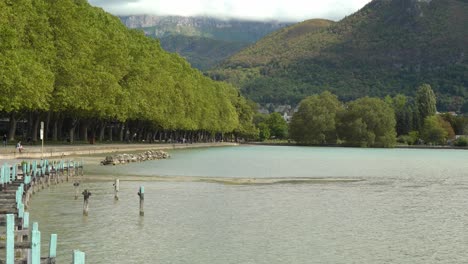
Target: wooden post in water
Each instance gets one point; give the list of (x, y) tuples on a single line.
[(10, 239), (141, 193), (86, 195), (78, 257), (77, 189), (53, 247), (116, 189), (35, 244)]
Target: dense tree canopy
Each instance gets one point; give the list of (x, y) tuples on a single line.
[(77, 66), (368, 122), (315, 120)]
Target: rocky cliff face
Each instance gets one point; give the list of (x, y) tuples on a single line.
[(227, 30)]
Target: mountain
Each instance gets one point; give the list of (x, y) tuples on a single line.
[(203, 41), (387, 47)]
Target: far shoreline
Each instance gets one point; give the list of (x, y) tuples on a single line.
[(344, 146)]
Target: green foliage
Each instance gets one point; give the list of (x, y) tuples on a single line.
[(425, 101), (368, 122), (433, 131), (78, 62), (264, 133), (277, 126), (461, 142), (386, 48), (315, 120)]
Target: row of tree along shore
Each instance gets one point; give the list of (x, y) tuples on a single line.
[(85, 75), (368, 122)]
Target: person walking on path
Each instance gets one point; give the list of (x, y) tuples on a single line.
[(19, 147), (4, 140)]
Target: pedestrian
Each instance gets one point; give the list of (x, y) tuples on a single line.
[(4, 140), (19, 147)]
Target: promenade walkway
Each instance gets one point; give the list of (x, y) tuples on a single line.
[(54, 151)]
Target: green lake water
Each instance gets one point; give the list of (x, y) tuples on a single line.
[(410, 207)]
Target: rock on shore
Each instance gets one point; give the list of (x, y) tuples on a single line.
[(127, 158)]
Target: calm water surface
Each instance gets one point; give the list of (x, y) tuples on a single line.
[(411, 207)]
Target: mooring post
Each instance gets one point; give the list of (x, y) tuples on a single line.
[(77, 189), (35, 244), (86, 195), (141, 193), (10, 239), (78, 257), (116, 189), (53, 246)]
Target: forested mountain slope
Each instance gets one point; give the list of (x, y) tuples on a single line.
[(203, 41), (387, 47)]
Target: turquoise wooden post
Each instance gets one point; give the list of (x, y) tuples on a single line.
[(10, 239), (24, 170), (35, 244), (2, 176), (7, 173), (14, 173), (21, 210), (53, 246), (78, 257), (26, 220)]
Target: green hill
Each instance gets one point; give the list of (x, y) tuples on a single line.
[(387, 47)]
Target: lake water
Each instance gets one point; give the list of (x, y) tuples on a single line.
[(410, 207)]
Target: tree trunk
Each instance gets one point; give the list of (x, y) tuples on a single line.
[(55, 131), (46, 126), (84, 130), (102, 131), (12, 132), (72, 130), (37, 119), (121, 136), (110, 132)]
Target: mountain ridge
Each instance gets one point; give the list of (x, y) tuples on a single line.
[(194, 37), (387, 47)]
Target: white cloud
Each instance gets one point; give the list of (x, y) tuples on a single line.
[(284, 10)]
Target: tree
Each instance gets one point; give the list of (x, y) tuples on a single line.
[(434, 131), (264, 133), (277, 125), (315, 120), (368, 122), (425, 101)]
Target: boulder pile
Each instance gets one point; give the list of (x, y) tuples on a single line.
[(127, 158)]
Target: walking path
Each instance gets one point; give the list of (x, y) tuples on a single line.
[(35, 152)]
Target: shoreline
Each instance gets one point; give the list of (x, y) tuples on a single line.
[(62, 151), (343, 146)]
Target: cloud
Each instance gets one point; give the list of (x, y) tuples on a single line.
[(283, 10)]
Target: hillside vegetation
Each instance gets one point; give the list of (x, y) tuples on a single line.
[(387, 47), (203, 41)]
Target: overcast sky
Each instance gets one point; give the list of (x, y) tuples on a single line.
[(283, 10)]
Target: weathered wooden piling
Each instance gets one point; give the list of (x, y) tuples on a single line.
[(76, 185), (116, 189), (86, 195), (53, 246), (18, 183), (141, 193), (78, 257), (35, 244)]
